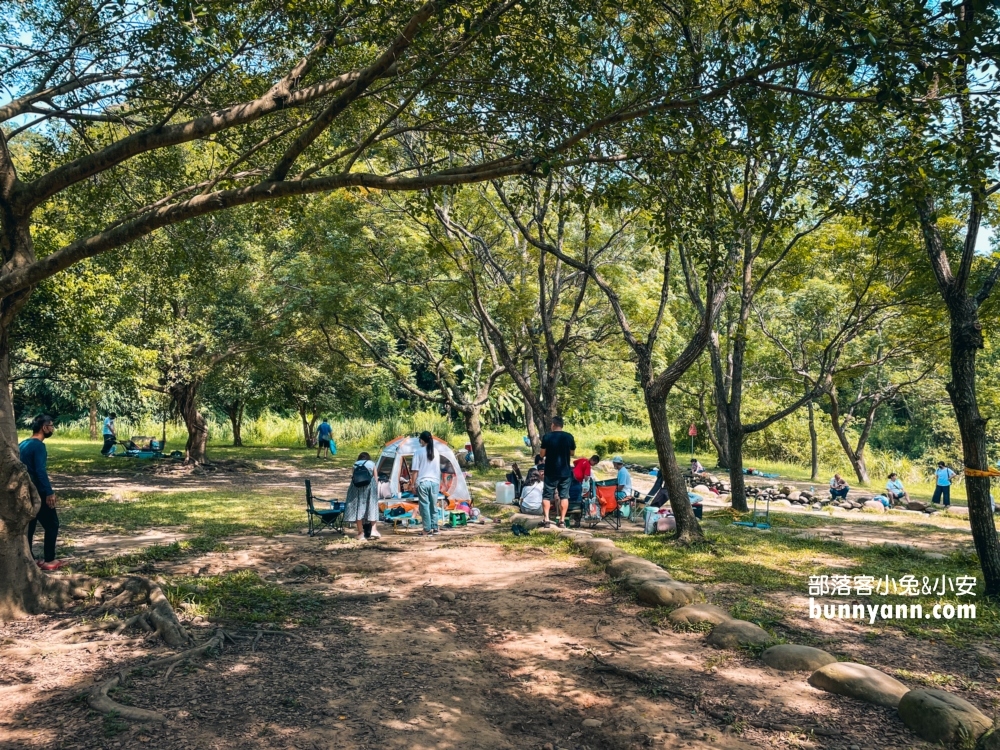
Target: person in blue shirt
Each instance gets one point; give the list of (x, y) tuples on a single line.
[(942, 489), (35, 458), (623, 484), (110, 433), (325, 440), (894, 490)]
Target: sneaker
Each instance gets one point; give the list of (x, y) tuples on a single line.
[(375, 534)]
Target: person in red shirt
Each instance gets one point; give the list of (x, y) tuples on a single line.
[(582, 471)]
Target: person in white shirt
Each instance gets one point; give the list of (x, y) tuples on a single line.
[(110, 434), (426, 467), (895, 491), (531, 494), (942, 489)]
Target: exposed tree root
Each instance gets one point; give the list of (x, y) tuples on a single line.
[(60, 648), (99, 700), (159, 616)]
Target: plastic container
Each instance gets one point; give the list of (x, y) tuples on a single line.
[(505, 493)]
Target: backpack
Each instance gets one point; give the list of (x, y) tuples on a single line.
[(362, 476)]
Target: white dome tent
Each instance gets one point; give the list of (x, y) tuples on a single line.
[(394, 463)]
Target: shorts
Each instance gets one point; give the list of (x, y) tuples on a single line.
[(324, 443), (562, 484)]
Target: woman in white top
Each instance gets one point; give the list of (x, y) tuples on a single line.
[(531, 494), (426, 466)]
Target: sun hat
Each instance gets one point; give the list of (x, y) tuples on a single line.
[(617, 460)]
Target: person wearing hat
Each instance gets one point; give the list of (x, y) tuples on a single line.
[(623, 484)]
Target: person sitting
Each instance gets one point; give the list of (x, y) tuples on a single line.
[(623, 483), (838, 487), (895, 492), (697, 469), (531, 494)]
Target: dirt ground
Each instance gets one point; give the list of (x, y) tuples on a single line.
[(460, 643)]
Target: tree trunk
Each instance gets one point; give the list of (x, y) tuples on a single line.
[(24, 589), (966, 339), (93, 411), (856, 457), (185, 396), (529, 421), (235, 412), (813, 444), (308, 427), (474, 428), (737, 482), (688, 529), (721, 438)]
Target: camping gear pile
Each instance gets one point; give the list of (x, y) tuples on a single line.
[(142, 446), (708, 483)]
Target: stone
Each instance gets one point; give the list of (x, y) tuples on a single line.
[(942, 717), (874, 505), (793, 496), (786, 489), (782, 503), (701, 489), (528, 522), (667, 593), (604, 555), (592, 723), (859, 681), (498, 463), (916, 505), (634, 580), (694, 614), (806, 495), (300, 569), (989, 741), (428, 604), (817, 506), (736, 633), (588, 546), (622, 566), (447, 596), (791, 658)]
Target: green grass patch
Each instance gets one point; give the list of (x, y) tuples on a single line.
[(138, 561), (210, 513), (770, 563), (244, 597)]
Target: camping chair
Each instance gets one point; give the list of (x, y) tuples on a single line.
[(515, 478), (332, 519), (612, 511)]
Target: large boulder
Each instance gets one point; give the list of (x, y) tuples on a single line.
[(941, 717), (736, 633), (667, 593), (859, 681), (794, 495), (701, 489), (498, 463), (589, 546), (791, 658), (622, 566), (633, 581), (786, 489), (916, 505), (694, 614), (874, 505), (604, 555)]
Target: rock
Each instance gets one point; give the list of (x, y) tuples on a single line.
[(447, 596), (528, 522), (300, 569), (736, 633), (874, 505), (791, 658), (793, 496), (786, 490), (806, 495), (589, 546), (941, 717), (989, 741), (667, 593), (428, 604), (604, 555), (782, 503), (693, 614), (817, 506), (701, 489), (498, 463), (916, 505), (634, 580), (592, 723), (622, 566), (859, 681)]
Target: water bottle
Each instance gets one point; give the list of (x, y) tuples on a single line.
[(812, 490)]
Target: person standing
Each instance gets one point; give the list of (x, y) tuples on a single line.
[(558, 448), (110, 433), (361, 504), (582, 476), (942, 489), (324, 435), (426, 467), (35, 458)]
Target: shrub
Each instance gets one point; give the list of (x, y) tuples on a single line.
[(601, 449), (617, 444)]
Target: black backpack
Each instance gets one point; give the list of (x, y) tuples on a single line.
[(362, 476)]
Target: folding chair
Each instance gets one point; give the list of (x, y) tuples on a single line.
[(332, 519)]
